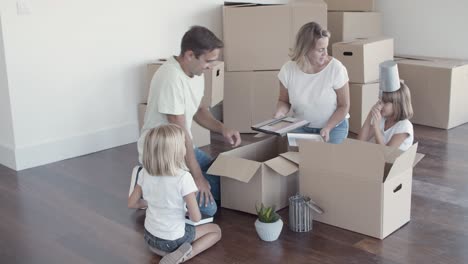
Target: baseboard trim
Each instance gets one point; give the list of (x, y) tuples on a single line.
[(71, 147), (7, 156)]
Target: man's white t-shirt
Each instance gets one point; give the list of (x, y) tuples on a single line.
[(313, 96), (165, 216), (171, 92), (403, 126)]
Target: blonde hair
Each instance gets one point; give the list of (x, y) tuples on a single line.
[(306, 39), (164, 150), (401, 101)]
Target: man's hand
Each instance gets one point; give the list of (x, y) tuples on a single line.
[(204, 189), (231, 136)]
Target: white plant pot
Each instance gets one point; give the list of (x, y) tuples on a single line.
[(269, 231)]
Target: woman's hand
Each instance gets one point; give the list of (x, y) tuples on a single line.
[(325, 133)]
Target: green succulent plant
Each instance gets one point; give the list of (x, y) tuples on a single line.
[(267, 214)]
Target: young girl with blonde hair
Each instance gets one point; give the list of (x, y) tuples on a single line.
[(168, 190)]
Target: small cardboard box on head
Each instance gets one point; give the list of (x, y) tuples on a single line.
[(361, 186)]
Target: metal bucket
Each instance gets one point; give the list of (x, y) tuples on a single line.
[(301, 215)]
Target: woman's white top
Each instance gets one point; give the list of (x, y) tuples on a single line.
[(312, 96)]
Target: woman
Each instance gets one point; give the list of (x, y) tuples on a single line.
[(315, 86)]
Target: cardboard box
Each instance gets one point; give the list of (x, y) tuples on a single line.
[(362, 57), (250, 98), (347, 26), (362, 99), (257, 173), (361, 186), (439, 88), (214, 83), (350, 5), (258, 37), (201, 136)]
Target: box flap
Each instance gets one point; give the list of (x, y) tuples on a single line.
[(282, 166), (404, 162), (233, 167), (291, 156), (342, 160), (418, 158)]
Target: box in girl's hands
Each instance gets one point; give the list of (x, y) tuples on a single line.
[(361, 186)]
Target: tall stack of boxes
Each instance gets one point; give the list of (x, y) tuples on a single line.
[(258, 39), (356, 40), (214, 93)]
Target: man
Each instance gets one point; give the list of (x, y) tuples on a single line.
[(175, 94)]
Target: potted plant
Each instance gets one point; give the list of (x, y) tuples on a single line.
[(268, 224)]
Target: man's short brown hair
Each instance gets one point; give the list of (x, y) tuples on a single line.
[(200, 40)]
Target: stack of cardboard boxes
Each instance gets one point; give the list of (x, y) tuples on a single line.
[(356, 41), (214, 93), (258, 39)]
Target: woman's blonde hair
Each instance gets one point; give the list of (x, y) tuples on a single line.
[(164, 150), (306, 39), (401, 101)]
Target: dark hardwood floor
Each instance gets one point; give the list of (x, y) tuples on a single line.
[(74, 211)]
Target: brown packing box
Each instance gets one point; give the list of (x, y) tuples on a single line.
[(361, 186), (350, 5), (258, 37), (257, 173), (250, 98), (214, 83), (362, 57), (201, 136), (347, 26), (439, 88), (362, 98)]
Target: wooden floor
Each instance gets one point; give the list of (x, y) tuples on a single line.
[(74, 211)]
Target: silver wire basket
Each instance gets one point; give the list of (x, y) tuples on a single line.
[(301, 213)]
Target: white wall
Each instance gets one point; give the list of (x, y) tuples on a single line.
[(427, 27), (7, 143), (75, 69)]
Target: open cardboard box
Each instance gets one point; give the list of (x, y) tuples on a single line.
[(257, 173), (361, 186)]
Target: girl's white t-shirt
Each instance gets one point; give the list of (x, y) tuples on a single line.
[(165, 216), (403, 126), (313, 96)]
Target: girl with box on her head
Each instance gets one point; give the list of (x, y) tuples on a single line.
[(388, 122), (168, 189), (315, 86)]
